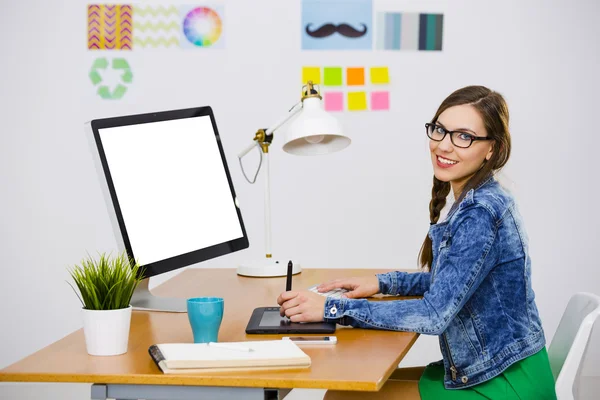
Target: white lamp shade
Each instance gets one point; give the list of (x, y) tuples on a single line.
[(314, 131)]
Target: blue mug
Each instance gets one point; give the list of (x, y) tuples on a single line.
[(205, 315)]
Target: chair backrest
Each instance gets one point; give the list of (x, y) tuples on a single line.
[(570, 341)]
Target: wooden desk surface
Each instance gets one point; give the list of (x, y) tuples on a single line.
[(362, 359)]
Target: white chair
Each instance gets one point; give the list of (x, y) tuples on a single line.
[(570, 342)]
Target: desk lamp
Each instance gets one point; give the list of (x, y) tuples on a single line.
[(313, 132)]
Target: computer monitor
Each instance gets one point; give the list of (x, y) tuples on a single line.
[(168, 192)]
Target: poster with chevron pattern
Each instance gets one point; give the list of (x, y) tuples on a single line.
[(141, 26), (109, 27), (156, 26)]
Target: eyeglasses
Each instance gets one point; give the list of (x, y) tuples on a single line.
[(458, 138)]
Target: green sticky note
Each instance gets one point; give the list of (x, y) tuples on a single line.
[(380, 75), (332, 76), (311, 74), (357, 101)]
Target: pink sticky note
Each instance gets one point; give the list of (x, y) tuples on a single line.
[(334, 101), (380, 100)]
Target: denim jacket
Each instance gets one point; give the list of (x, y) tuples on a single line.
[(477, 298)]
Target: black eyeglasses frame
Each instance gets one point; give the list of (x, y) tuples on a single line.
[(446, 131)]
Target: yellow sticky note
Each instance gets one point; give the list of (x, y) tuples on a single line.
[(311, 74), (357, 101), (380, 75)]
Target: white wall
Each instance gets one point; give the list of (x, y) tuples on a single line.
[(360, 208)]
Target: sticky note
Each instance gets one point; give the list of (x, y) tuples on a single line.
[(311, 74), (332, 76), (334, 101), (355, 76), (357, 101), (380, 101), (380, 75)]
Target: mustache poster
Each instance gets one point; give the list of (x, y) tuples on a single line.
[(337, 25)]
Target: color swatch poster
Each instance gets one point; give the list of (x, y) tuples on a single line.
[(409, 31), (337, 24), (131, 27), (353, 88)]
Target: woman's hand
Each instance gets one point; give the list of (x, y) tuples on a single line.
[(302, 306), (359, 287)]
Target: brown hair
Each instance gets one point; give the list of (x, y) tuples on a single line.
[(493, 110)]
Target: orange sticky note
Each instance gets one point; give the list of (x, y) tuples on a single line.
[(380, 75), (311, 74), (357, 101), (355, 76)]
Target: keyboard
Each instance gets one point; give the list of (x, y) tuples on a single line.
[(335, 293)]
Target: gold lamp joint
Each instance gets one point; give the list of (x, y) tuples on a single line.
[(309, 91), (261, 138)]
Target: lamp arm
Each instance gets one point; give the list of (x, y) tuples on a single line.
[(256, 141), (247, 149), (293, 111)]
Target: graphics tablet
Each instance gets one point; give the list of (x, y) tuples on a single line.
[(268, 320)]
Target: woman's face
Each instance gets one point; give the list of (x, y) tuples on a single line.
[(454, 164)]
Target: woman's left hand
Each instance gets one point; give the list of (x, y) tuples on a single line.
[(302, 306)]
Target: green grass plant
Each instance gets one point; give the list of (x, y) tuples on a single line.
[(106, 283)]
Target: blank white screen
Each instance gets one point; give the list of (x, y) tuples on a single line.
[(171, 186)]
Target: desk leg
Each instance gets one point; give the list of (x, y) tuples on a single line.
[(281, 393), (169, 392)]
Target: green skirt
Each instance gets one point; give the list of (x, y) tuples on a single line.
[(530, 378)]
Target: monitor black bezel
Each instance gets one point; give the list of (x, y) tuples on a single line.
[(182, 260)]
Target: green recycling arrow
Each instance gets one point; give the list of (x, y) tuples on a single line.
[(101, 63), (95, 77), (105, 93), (120, 63)]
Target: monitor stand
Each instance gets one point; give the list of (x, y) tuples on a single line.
[(144, 300)]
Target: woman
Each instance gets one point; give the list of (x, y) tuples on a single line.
[(476, 283)]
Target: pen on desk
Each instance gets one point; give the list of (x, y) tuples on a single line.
[(288, 283), (230, 346)]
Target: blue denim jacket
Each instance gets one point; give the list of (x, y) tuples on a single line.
[(477, 298)]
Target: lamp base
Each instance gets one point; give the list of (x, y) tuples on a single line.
[(268, 267)]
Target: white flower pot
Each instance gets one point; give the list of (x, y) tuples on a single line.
[(106, 331)]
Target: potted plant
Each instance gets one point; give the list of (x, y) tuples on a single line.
[(105, 289)]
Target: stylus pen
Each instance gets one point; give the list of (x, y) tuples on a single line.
[(288, 283)]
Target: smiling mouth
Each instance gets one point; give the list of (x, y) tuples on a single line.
[(446, 161)]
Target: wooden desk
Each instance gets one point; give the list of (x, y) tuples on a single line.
[(362, 360)]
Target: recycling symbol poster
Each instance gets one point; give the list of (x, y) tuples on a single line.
[(104, 89)]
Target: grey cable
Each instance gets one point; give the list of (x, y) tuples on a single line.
[(257, 170)]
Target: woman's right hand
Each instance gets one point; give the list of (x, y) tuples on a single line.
[(358, 287)]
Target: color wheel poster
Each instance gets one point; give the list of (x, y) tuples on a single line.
[(202, 26)]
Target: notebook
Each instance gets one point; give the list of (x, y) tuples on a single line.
[(186, 358)]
